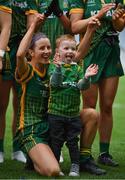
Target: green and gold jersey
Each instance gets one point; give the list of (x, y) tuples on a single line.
[(52, 27), (33, 94), (65, 98), (5, 6), (90, 8), (20, 9)]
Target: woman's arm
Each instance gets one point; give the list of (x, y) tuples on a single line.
[(86, 40), (5, 28), (79, 25), (65, 22), (24, 45)]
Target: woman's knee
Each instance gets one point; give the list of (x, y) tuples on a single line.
[(89, 115)]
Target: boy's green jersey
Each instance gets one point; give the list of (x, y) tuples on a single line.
[(65, 98), (52, 27)]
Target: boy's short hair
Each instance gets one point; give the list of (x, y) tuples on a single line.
[(63, 38)]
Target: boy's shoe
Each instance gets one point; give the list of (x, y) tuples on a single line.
[(106, 159), (74, 170), (91, 167), (61, 158), (19, 156), (1, 157)]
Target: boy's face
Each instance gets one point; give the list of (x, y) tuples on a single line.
[(67, 51)]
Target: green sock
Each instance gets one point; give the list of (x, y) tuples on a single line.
[(85, 153), (104, 147), (1, 145), (15, 145)]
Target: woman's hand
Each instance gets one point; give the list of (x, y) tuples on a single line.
[(38, 19), (93, 24), (118, 13), (105, 9)]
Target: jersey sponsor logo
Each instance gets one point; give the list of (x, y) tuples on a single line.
[(71, 84), (108, 14), (19, 4), (91, 2)]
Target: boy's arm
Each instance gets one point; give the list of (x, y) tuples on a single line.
[(84, 83), (56, 78)]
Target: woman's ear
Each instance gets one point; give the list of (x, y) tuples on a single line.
[(31, 52)]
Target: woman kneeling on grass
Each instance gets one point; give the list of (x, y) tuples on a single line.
[(33, 93)]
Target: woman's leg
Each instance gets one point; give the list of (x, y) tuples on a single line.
[(107, 90), (5, 87), (44, 160), (89, 118), (17, 153)]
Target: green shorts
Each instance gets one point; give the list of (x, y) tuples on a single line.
[(32, 135), (107, 57)]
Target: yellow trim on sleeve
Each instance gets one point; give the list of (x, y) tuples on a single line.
[(31, 12), (76, 11), (6, 9), (24, 78)]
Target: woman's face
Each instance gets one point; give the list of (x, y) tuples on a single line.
[(42, 50)]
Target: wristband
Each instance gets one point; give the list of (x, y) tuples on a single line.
[(2, 52)]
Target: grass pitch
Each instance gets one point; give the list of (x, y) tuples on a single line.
[(15, 170)]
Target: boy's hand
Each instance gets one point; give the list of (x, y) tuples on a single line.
[(57, 60), (91, 70)]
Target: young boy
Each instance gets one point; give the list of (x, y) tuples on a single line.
[(66, 83)]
